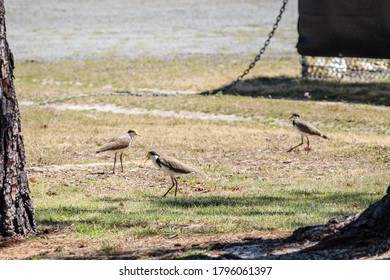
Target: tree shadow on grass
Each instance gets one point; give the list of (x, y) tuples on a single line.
[(375, 93), (246, 247), (297, 198), (249, 248)]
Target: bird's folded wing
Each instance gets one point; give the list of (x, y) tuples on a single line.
[(116, 143), (308, 128), (176, 165)]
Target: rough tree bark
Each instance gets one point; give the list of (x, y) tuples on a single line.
[(16, 207), (372, 226)]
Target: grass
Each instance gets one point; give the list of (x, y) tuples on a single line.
[(141, 213), (247, 182), (39, 80), (271, 78)]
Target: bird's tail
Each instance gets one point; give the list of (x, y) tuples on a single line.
[(324, 136)]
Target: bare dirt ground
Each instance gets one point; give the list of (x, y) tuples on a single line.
[(139, 111), (224, 246), (252, 245)]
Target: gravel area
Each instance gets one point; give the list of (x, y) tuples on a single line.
[(47, 30)]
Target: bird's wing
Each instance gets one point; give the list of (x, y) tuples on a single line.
[(176, 165), (307, 128), (116, 143)]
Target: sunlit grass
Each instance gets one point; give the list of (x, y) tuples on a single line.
[(45, 80)]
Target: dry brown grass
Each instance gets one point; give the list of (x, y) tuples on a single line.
[(41, 81)]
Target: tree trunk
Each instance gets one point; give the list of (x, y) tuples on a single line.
[(16, 207), (372, 226)]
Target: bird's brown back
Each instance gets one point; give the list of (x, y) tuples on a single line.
[(176, 166), (308, 128), (116, 143)]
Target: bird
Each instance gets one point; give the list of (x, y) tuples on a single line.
[(305, 129), (118, 144), (171, 166)]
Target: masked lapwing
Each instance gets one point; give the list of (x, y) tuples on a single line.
[(171, 166), (306, 130), (118, 144)]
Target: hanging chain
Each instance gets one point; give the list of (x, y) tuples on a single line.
[(261, 52)]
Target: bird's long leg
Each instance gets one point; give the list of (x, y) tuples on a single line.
[(113, 171), (176, 185), (173, 184), (308, 144), (296, 145), (121, 161)]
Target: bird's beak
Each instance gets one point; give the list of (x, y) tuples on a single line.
[(136, 133)]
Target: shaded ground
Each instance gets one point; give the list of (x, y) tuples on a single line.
[(252, 245), (200, 246), (375, 93)]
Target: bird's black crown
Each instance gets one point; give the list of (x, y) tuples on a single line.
[(153, 153)]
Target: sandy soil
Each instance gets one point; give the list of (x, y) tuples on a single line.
[(140, 111), (72, 29)]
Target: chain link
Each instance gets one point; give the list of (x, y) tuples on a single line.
[(261, 52)]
